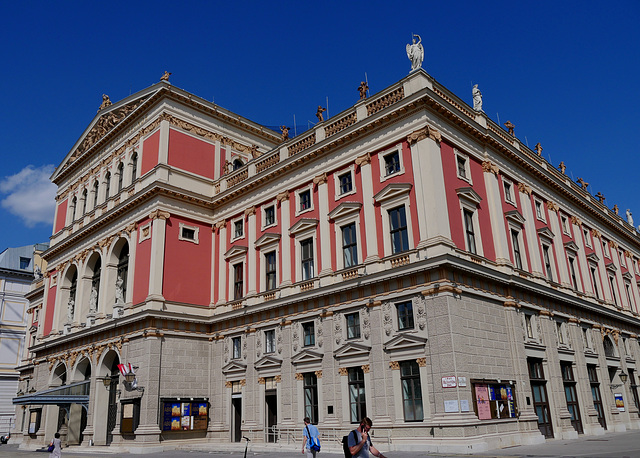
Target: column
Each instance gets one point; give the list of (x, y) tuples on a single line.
[(132, 230), (325, 242), (222, 263), (496, 214), (148, 431), (285, 223), (430, 194), (364, 162), (250, 215), (155, 298), (561, 258)]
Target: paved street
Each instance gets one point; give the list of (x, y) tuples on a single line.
[(614, 445)]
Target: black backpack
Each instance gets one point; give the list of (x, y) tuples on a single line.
[(345, 444)]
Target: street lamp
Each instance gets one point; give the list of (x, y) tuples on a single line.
[(623, 377)]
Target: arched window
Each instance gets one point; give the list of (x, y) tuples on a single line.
[(107, 180), (74, 204), (84, 201), (95, 287), (95, 193), (609, 349), (134, 167), (121, 281), (120, 176), (237, 163)]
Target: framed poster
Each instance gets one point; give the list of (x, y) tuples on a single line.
[(619, 402), (482, 399)]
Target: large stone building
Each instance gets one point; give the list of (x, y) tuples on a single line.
[(16, 276), (407, 259)]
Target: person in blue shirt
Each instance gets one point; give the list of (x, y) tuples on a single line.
[(360, 443), (308, 432)]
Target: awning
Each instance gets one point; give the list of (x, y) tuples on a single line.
[(65, 395)]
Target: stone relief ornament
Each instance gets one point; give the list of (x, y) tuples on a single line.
[(337, 319), (244, 348), (366, 322), (415, 52), (477, 98), (319, 332), (226, 349), (106, 102), (295, 336), (387, 321), (421, 311), (279, 340), (259, 344)]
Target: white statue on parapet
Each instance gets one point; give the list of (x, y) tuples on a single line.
[(629, 217), (415, 53), (477, 98)]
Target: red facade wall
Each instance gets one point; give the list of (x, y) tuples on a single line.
[(191, 154), (187, 265), (61, 216), (150, 153), (50, 306), (143, 262)]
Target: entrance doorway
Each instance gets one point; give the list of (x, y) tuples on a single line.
[(271, 407), (236, 418), (540, 399)]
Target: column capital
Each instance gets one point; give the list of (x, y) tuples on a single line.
[(421, 134), (364, 159), (490, 167), (320, 179), (250, 211), (283, 196), (525, 188), (159, 214)]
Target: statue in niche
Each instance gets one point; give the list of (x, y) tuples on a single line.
[(93, 300), (119, 291), (629, 217), (477, 98), (415, 53), (71, 305)]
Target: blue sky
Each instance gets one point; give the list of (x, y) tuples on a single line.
[(565, 73)]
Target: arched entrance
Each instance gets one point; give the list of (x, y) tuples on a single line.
[(106, 398)]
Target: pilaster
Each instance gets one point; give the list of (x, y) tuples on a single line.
[(371, 239), (158, 233), (285, 222), (325, 242)]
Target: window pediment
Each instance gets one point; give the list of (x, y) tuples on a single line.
[(628, 275), (611, 267), (307, 357), (469, 195), (344, 209), (545, 232), (234, 368), (405, 342), (304, 224), (593, 257), (391, 191), (235, 250), (515, 217), (267, 239), (352, 350), (571, 246), (267, 363)]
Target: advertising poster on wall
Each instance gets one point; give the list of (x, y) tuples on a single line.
[(185, 416), (482, 399), (619, 402)]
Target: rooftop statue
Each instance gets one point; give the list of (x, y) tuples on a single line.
[(106, 102), (363, 88), (510, 126), (629, 217), (477, 98), (319, 113), (415, 53), (165, 76), (285, 133), (562, 167), (538, 148)]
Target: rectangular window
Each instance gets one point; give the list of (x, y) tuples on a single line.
[(411, 391), (238, 284), (634, 387), (612, 283), (547, 261), (188, 233), (269, 215), (399, 231), (357, 398), (310, 388), (605, 248), (587, 238), (346, 184), (270, 341), (539, 213), (238, 229), (405, 315), (392, 163), (516, 248), (236, 347), (24, 262), (528, 325), (462, 167), (594, 279), (353, 325), (309, 334), (571, 396), (627, 288), (560, 333), (306, 250), (494, 400), (595, 393), (565, 224), (270, 270), (540, 399), (305, 200), (507, 191), (470, 233), (572, 272), (349, 245)]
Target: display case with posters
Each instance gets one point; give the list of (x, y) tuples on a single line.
[(493, 400), (184, 414)]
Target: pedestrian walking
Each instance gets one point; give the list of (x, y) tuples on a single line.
[(360, 442), (57, 447), (310, 436)]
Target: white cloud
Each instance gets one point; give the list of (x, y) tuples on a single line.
[(30, 195)]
